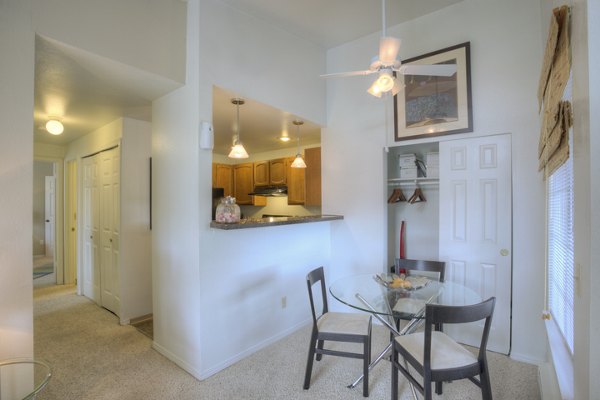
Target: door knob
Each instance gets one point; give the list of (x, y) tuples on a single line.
[(504, 252)]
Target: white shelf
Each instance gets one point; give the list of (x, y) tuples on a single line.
[(413, 181)]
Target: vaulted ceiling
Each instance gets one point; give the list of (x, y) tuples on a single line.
[(96, 91)]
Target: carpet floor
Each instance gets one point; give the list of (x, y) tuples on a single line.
[(93, 357)]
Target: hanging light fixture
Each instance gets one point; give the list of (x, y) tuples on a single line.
[(54, 126), (238, 150), (298, 161)]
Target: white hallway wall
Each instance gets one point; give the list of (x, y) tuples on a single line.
[(211, 286), (505, 57)]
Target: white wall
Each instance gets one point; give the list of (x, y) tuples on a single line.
[(136, 237), (195, 268), (148, 35), (16, 175), (505, 57)]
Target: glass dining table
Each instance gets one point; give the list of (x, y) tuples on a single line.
[(23, 379), (366, 292)]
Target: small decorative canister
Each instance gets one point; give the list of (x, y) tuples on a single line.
[(227, 211)]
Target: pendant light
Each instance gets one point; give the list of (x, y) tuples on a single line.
[(238, 150), (298, 161)]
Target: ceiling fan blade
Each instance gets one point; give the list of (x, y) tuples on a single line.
[(344, 74), (429, 70), (388, 49)]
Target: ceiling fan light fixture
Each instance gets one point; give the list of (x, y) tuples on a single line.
[(383, 84), (54, 126), (238, 150)]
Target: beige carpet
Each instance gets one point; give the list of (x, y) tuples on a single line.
[(93, 357)]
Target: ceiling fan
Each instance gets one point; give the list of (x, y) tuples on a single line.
[(387, 63)]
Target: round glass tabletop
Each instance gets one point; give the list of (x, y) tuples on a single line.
[(365, 292), (22, 379)]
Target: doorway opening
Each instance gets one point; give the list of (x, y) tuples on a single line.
[(44, 223)]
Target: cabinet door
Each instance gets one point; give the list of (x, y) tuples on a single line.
[(295, 183), (312, 158), (223, 174), (278, 171), (243, 182), (261, 173)]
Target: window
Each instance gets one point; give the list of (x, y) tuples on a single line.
[(560, 249)]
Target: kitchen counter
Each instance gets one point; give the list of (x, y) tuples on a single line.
[(274, 221)]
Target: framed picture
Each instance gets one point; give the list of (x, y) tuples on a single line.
[(435, 105)]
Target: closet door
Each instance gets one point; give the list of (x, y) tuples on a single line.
[(91, 236), (109, 229), (475, 227)]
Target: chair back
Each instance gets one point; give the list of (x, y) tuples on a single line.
[(438, 267), (436, 314), (316, 276)]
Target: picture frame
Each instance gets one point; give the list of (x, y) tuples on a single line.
[(435, 105)]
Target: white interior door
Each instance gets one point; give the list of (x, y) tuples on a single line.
[(49, 214), (91, 213), (71, 212), (110, 221), (475, 227)]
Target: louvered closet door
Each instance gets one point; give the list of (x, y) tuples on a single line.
[(475, 227)]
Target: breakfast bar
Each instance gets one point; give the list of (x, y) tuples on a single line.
[(273, 221)]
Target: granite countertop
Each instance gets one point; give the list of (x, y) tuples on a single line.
[(274, 221)]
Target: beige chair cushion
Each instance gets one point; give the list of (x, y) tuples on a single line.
[(349, 323), (445, 352)]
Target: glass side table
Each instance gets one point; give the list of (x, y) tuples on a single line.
[(22, 378)]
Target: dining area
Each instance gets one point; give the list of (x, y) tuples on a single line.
[(426, 317)]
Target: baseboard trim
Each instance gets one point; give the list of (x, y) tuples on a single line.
[(181, 363), (202, 375), (526, 359), (143, 318), (221, 366), (549, 389)]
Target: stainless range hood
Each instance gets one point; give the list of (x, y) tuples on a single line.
[(269, 191)]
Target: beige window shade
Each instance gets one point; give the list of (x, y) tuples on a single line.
[(556, 114)]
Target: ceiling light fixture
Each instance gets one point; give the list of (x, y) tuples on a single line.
[(385, 83), (284, 137), (298, 161), (54, 126), (238, 150)]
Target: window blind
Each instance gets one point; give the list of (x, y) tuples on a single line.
[(560, 249)]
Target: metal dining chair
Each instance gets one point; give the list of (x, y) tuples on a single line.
[(339, 327), (437, 357)]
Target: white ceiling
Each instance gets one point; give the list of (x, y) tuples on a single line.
[(330, 23), (87, 91)]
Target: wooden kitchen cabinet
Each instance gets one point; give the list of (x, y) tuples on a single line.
[(243, 182), (223, 178), (312, 158), (261, 173), (295, 183), (277, 171)]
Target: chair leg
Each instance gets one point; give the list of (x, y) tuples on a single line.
[(320, 347), (309, 362), (394, 374), (366, 362), (438, 387), (486, 387), (427, 393)]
